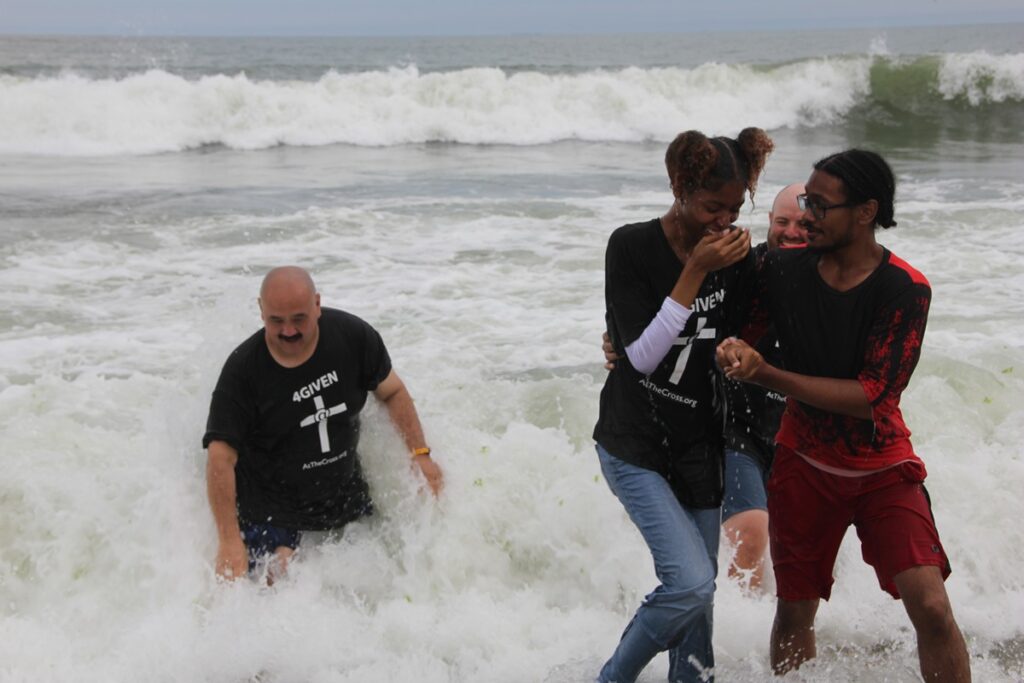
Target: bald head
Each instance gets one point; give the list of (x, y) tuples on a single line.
[(784, 228), (290, 308), (290, 278), (786, 198)]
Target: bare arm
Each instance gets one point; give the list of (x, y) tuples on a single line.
[(843, 396), (609, 351), (232, 558), (711, 253), (393, 394)]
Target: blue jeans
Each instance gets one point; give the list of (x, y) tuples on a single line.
[(677, 615)]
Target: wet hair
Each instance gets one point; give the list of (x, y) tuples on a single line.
[(697, 162), (865, 176)]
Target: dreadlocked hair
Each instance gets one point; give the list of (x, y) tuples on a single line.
[(865, 176), (696, 162)]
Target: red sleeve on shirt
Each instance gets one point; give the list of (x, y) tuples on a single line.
[(893, 348), (915, 275)]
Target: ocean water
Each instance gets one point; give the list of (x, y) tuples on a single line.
[(457, 193)]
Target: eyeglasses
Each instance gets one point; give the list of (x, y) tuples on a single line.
[(817, 208)]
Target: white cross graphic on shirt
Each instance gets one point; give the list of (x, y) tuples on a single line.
[(700, 333), (320, 418)]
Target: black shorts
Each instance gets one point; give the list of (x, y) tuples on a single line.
[(262, 539)]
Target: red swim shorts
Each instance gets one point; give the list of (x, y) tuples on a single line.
[(809, 511)]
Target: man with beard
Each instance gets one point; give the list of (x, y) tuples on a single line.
[(283, 427), (850, 317)]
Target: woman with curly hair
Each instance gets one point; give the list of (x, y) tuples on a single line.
[(672, 288)]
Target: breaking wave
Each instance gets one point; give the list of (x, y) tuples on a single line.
[(156, 111)]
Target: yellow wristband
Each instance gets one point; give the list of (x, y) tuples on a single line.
[(416, 452)]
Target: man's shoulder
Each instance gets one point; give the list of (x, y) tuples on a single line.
[(335, 320), (248, 349), (785, 261), (903, 272), (896, 284), (347, 332), (244, 366)]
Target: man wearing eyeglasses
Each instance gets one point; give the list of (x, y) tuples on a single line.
[(850, 317)]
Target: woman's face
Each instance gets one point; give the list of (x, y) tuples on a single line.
[(705, 212)]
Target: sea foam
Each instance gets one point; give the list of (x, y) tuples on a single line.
[(157, 111)]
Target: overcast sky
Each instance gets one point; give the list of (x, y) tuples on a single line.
[(480, 17)]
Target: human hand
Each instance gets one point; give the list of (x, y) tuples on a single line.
[(738, 360), (232, 559), (431, 472), (720, 249), (609, 351)]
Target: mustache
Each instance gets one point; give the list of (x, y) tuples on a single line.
[(295, 337)]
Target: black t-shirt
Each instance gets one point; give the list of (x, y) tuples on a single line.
[(670, 421), (296, 429), (753, 413), (871, 333)]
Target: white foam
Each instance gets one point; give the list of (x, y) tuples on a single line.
[(160, 112), (492, 308), (981, 77)]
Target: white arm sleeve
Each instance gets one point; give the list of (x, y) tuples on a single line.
[(651, 346)]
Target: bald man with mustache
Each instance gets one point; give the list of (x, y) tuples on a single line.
[(283, 429)]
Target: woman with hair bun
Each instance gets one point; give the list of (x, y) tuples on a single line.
[(671, 291)]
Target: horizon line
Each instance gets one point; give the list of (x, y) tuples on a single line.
[(515, 34)]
